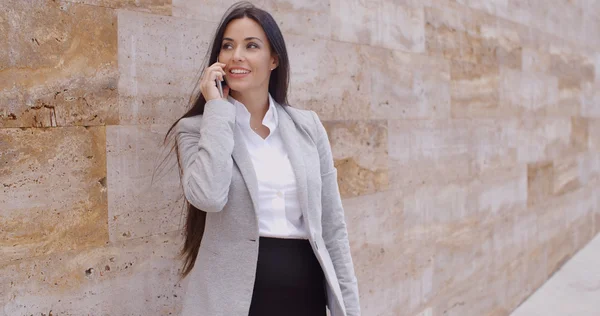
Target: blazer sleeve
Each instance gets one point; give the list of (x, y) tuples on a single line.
[(335, 233), (205, 146)]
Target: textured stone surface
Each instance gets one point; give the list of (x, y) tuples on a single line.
[(456, 32), (302, 17), (385, 23), (466, 134), (330, 78), (594, 135), (159, 64), (475, 90), (153, 6), (134, 277), (360, 156), (144, 192), (60, 68), (415, 87), (53, 195)]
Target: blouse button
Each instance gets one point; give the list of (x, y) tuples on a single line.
[(279, 194)]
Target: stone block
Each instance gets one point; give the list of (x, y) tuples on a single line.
[(160, 59), (544, 138), (144, 191), (331, 78), (133, 277), (474, 91), (416, 86), (387, 23), (308, 18), (529, 93), (457, 32), (463, 261), (53, 196), (376, 254), (151, 6), (60, 65), (360, 155), (591, 99), (492, 7)]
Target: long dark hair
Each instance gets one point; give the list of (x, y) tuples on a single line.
[(278, 88)]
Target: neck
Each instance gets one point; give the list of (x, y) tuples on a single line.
[(257, 102)]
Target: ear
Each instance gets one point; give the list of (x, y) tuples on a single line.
[(274, 62)]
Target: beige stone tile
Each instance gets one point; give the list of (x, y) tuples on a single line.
[(457, 32), (135, 277), (492, 7), (498, 191), (309, 18), (535, 60), (594, 135), (591, 99), (424, 152), (206, 10), (387, 23), (544, 138), (57, 72), (479, 296), (523, 276), (53, 195), (474, 91), (330, 78), (463, 260), (160, 59), (376, 253), (561, 18), (416, 86), (566, 175), (144, 192), (360, 153), (152, 6), (449, 151), (572, 72), (529, 93), (540, 182)]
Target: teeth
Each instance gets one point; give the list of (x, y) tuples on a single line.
[(238, 71)]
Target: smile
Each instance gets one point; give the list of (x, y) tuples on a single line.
[(239, 71)]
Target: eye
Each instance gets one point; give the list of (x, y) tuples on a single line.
[(252, 45), (227, 46)]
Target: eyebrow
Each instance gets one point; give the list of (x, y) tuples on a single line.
[(246, 39)]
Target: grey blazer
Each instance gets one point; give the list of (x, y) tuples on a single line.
[(218, 178)]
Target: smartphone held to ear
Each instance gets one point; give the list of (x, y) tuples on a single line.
[(220, 87)]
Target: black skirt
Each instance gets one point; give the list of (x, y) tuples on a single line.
[(289, 280)]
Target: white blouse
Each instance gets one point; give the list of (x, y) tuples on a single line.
[(279, 214)]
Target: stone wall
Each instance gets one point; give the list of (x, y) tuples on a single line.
[(466, 134)]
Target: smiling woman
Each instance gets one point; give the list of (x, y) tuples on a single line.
[(263, 235)]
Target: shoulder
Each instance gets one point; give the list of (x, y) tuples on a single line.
[(189, 124), (307, 119)]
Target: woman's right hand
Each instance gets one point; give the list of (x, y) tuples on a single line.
[(208, 85)]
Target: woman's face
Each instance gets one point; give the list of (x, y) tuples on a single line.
[(247, 53)]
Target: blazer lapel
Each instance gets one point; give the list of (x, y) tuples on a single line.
[(291, 141), (244, 162)]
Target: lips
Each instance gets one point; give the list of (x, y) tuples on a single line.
[(238, 73)]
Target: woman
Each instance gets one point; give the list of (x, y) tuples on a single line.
[(261, 186)]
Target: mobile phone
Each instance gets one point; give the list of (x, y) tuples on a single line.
[(220, 87), (219, 84)]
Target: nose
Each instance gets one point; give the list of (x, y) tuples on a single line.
[(238, 54)]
